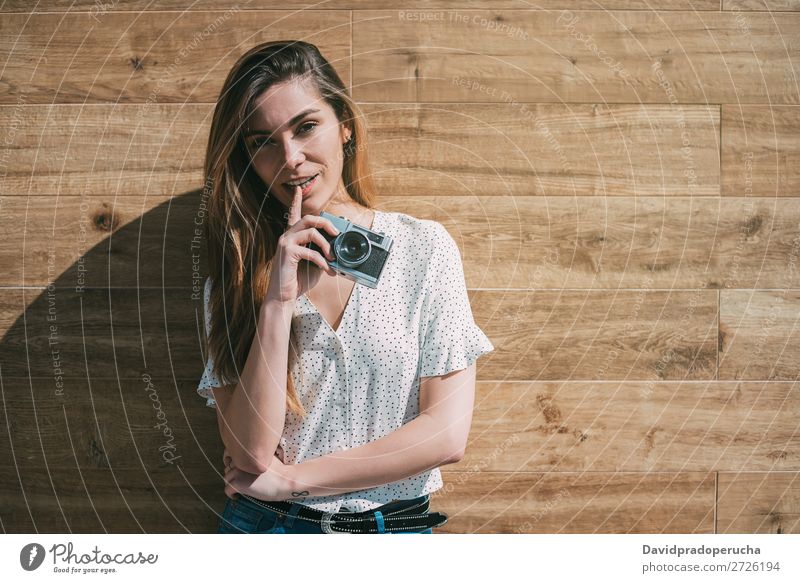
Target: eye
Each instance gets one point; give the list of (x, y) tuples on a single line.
[(306, 128), (310, 125)]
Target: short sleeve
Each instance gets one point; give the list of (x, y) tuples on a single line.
[(450, 338), (209, 379)]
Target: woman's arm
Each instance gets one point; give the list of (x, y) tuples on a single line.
[(251, 421), (436, 437)]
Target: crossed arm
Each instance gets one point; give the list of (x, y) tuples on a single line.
[(437, 436)]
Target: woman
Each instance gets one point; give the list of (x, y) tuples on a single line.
[(336, 402)]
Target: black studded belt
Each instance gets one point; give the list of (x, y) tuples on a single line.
[(397, 516)]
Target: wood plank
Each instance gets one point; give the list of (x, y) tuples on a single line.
[(585, 503), (71, 500), (149, 57), (104, 241), (552, 149), (587, 335), (759, 333), (141, 423), (760, 151), (506, 242), (566, 426), (101, 333), (424, 5), (122, 150), (759, 503), (617, 57), (486, 149), (163, 501), (538, 335), (154, 423), (612, 243), (771, 5)]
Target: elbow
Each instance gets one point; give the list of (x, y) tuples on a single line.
[(261, 462), (259, 459), (245, 458), (256, 460), (250, 464), (246, 450), (453, 451)]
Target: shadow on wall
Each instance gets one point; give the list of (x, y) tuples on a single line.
[(103, 430)]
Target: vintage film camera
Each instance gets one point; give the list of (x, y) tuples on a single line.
[(359, 254)]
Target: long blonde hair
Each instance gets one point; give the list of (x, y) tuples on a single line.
[(243, 222)]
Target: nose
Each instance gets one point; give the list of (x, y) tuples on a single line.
[(294, 154)]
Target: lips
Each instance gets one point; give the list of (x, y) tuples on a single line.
[(306, 179)]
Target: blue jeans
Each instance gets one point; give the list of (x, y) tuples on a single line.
[(243, 516)]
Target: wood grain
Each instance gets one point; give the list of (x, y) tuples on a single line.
[(653, 426), (118, 501), (505, 242), (104, 241), (146, 423), (149, 57), (538, 335), (760, 151), (151, 423), (580, 335), (71, 500), (553, 149), (622, 183), (577, 57), (759, 503), (99, 333), (620, 243), (770, 5), (111, 150), (759, 333), (425, 5), (486, 149), (574, 502)]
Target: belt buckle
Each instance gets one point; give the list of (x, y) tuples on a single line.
[(325, 523)]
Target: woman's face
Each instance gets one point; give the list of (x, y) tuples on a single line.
[(293, 134)]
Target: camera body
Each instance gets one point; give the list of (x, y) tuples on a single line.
[(359, 253)]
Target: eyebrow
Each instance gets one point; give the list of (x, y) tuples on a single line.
[(292, 121)]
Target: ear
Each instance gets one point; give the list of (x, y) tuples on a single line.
[(346, 132)]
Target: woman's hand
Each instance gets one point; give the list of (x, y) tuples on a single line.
[(291, 277), (274, 484)]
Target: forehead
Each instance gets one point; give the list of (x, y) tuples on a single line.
[(276, 106)]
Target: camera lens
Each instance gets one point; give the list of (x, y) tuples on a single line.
[(353, 248)]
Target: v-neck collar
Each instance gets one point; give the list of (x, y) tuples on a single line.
[(354, 293)]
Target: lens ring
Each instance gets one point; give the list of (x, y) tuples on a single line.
[(352, 248)]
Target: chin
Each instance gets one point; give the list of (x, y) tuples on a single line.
[(318, 200), (311, 205)]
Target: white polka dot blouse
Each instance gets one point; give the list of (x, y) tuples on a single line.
[(361, 381)]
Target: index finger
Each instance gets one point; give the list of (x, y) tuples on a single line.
[(294, 211)]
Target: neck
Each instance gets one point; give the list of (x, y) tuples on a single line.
[(342, 205)]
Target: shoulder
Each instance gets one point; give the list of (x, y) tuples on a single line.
[(425, 248), (428, 237)]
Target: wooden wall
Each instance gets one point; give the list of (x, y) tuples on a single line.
[(623, 185)]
